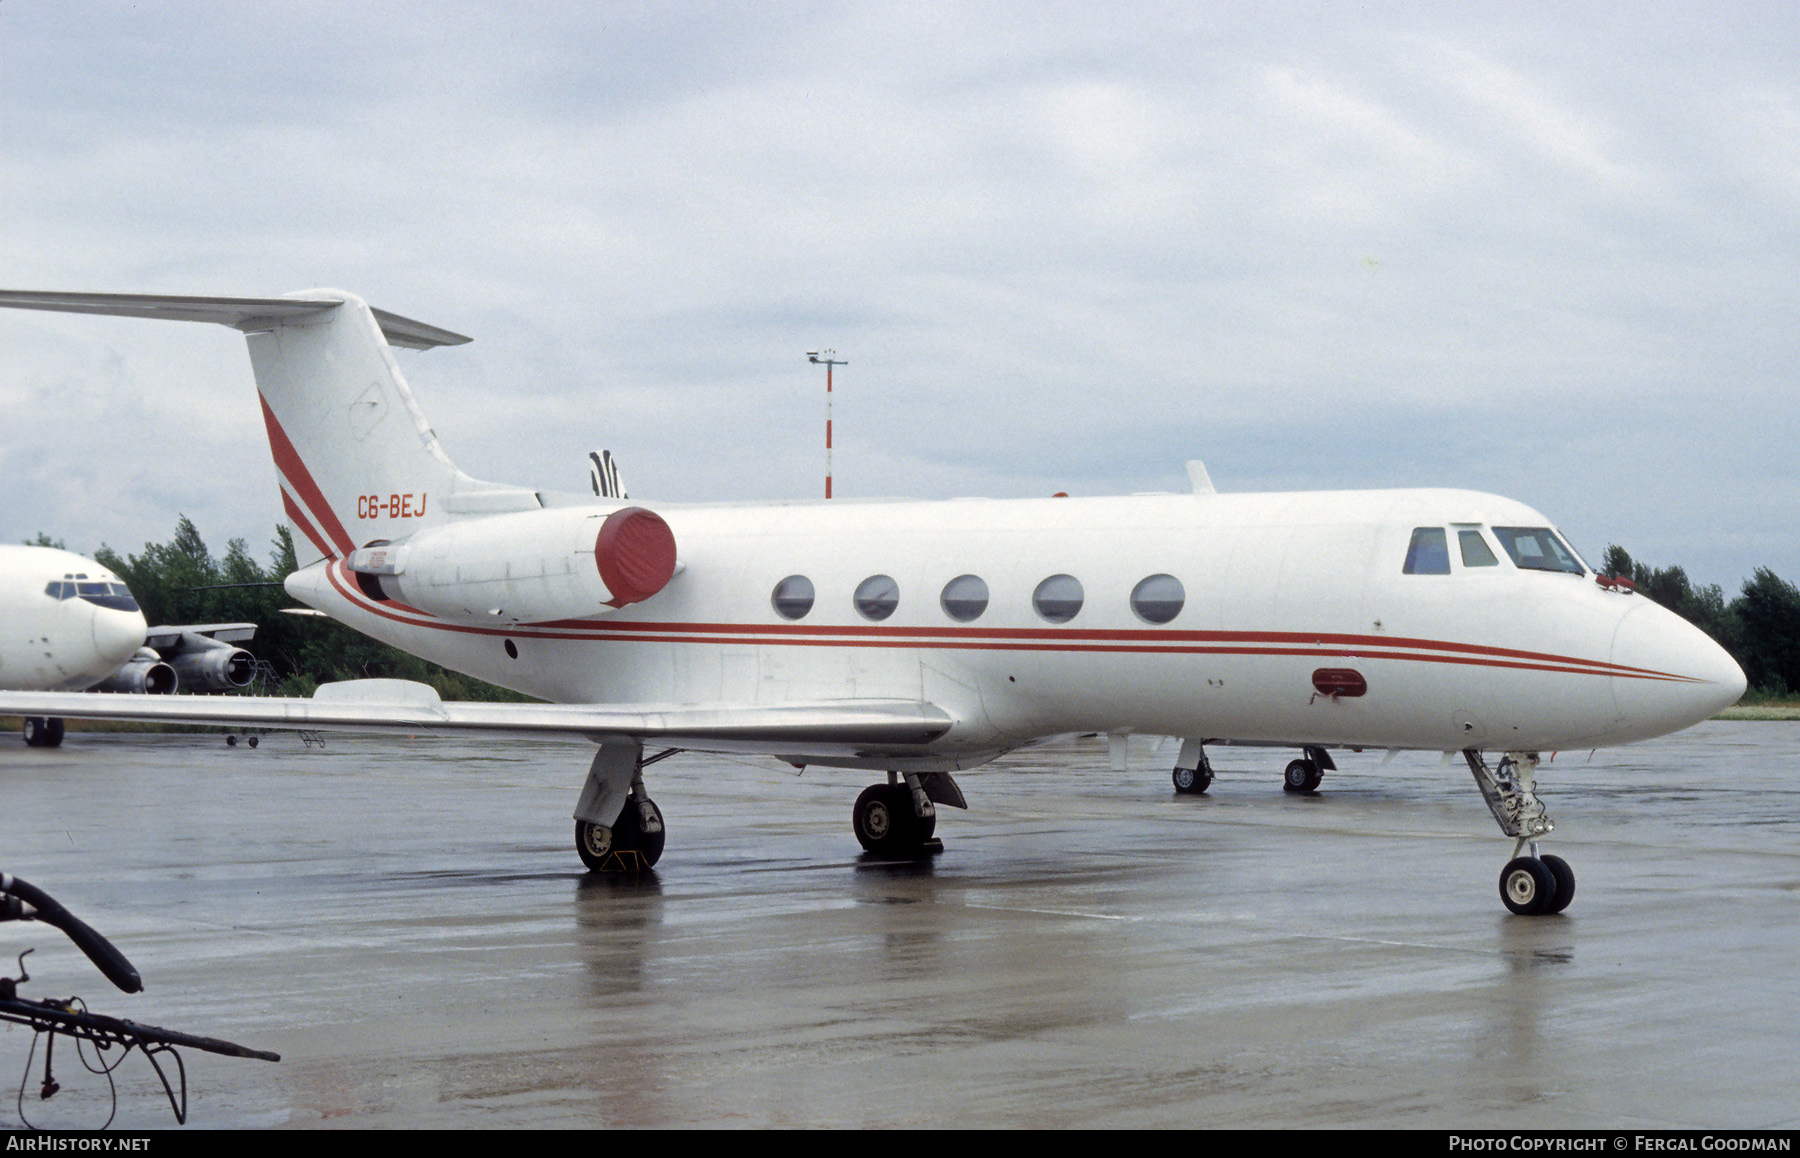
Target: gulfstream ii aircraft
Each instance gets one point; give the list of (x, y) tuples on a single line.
[(917, 639)]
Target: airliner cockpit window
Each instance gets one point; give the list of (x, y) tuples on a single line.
[(114, 595), (1429, 553), (1538, 549), (1475, 551)]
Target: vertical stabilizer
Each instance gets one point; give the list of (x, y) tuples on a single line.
[(357, 460)]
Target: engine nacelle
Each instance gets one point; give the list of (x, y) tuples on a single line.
[(143, 674), (529, 567), (207, 665)]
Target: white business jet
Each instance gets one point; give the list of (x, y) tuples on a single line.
[(918, 639)]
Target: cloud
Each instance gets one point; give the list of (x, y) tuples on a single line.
[(1317, 246)]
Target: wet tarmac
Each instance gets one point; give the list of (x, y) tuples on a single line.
[(407, 924)]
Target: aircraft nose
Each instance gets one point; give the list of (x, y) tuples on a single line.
[(1678, 675), (118, 635)]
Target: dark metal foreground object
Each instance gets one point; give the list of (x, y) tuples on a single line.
[(21, 900)]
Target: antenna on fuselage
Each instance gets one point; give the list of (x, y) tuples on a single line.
[(826, 359)]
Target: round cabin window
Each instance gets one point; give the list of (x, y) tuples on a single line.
[(1158, 599), (792, 597), (965, 598), (876, 597), (1058, 598)]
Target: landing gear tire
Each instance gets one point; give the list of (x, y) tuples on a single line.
[(634, 843), (1301, 776), (1192, 781), (647, 824), (43, 732), (1565, 883), (1528, 886), (885, 822)]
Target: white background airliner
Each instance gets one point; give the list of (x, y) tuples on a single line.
[(68, 623), (922, 638), (65, 622)]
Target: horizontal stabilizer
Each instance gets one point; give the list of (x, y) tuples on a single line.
[(239, 313), (405, 707)]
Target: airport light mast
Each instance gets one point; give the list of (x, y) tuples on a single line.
[(827, 359)]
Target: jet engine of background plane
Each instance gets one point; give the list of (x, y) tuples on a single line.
[(528, 567), (143, 674), (211, 665)]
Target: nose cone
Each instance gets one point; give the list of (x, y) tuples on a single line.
[(1677, 675), (117, 636)]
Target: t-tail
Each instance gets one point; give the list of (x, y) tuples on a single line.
[(358, 462)]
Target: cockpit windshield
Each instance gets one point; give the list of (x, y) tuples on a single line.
[(117, 596), (1538, 549)]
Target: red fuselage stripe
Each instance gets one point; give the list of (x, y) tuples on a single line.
[(1030, 640)]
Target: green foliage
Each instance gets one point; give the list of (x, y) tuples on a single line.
[(44, 540), (180, 582), (1768, 613)]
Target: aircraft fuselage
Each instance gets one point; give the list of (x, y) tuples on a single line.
[(1291, 620)]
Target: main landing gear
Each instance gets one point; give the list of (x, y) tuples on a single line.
[(1193, 773), (43, 732), (899, 817), (1530, 885), (618, 828), (1303, 775)]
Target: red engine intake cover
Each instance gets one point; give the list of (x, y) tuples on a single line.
[(635, 552)]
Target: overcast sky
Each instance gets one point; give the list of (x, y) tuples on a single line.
[(1550, 251)]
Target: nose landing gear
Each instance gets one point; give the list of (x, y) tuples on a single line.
[(1530, 885)]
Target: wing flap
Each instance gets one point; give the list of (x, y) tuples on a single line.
[(398, 706)]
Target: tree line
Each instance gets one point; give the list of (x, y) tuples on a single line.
[(181, 582)]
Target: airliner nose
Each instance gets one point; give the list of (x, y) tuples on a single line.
[(1676, 674), (118, 634)]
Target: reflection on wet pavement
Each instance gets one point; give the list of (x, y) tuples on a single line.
[(406, 922)]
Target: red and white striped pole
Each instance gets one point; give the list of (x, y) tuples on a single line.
[(824, 358)]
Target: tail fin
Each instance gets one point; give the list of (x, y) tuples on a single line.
[(603, 475), (357, 459)]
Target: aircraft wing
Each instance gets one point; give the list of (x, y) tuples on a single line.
[(399, 706), (162, 638)]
